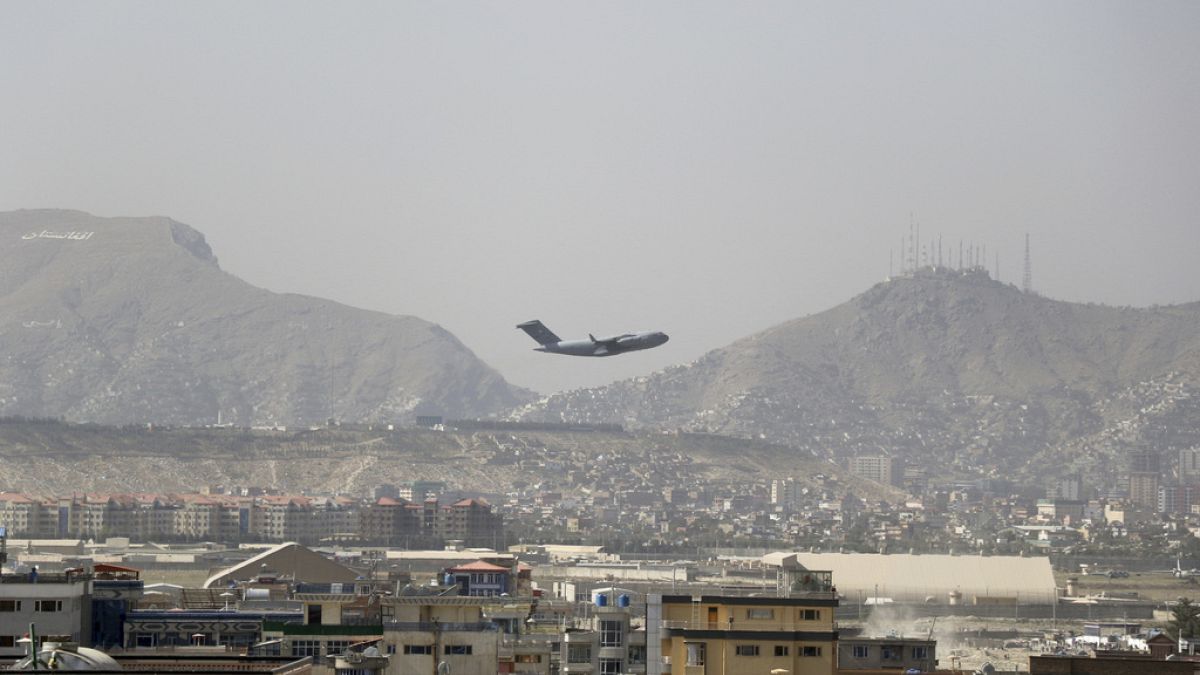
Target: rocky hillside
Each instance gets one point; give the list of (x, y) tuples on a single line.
[(945, 366), (120, 320), (52, 458)]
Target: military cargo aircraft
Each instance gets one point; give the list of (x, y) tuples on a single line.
[(609, 346)]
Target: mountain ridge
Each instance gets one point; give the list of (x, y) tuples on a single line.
[(901, 369), (120, 320)]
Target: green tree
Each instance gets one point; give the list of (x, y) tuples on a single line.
[(1185, 620)]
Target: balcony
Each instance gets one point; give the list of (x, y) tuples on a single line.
[(751, 626), (291, 629), (116, 583), (439, 626), (43, 578)]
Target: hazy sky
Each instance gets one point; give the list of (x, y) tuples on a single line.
[(707, 169)]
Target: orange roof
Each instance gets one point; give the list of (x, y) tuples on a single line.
[(479, 566)]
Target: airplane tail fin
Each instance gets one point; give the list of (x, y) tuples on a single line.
[(538, 331)]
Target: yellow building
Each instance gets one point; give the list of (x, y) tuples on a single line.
[(729, 635), (422, 631)]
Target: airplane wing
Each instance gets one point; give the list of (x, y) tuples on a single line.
[(609, 343)]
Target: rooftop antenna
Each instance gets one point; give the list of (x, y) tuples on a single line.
[(960, 244), (1027, 280)]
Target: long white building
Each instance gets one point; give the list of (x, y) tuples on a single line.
[(918, 578)]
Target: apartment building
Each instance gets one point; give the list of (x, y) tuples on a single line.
[(610, 646), (305, 519), (786, 492), (881, 469), (900, 654), (391, 522), (472, 522), (60, 605), (336, 616), (269, 518), (729, 635), (27, 516), (420, 490), (423, 627)]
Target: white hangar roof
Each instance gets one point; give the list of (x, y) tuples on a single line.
[(911, 577)]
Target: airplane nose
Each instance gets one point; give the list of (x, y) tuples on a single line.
[(664, 337)]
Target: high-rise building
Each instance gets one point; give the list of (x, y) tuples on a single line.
[(1144, 472), (1143, 489), (786, 492), (881, 469), (1066, 488), (1189, 465), (1145, 461)]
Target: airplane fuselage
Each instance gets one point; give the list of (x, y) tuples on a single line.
[(612, 346)]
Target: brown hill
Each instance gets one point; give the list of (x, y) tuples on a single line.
[(120, 320), (943, 365)]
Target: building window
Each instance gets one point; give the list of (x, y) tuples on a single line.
[(336, 647), (610, 633), (418, 649), (782, 650), (861, 651), (8, 641), (746, 650), (695, 653), (889, 652), (10, 605), (637, 654), (528, 658), (579, 653), (306, 647), (457, 650), (760, 614), (920, 653), (610, 666), (810, 614), (47, 606), (811, 651)]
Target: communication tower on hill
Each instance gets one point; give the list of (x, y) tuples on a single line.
[(1027, 280)]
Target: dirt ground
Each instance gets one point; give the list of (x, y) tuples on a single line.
[(961, 648), (1154, 586)]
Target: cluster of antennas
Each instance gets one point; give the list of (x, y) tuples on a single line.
[(917, 254)]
